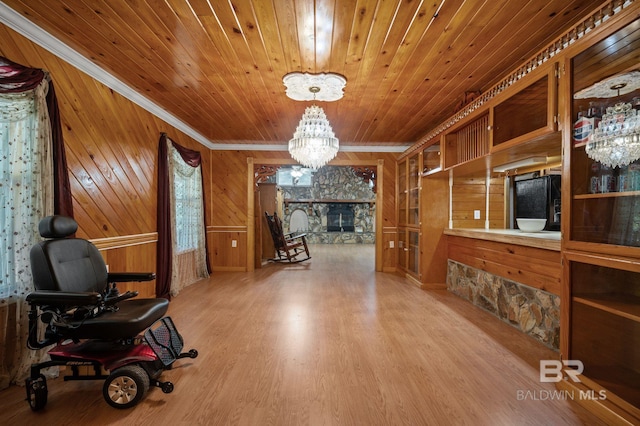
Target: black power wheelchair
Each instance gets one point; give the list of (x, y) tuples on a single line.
[(77, 307)]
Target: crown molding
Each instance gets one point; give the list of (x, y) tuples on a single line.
[(28, 29), (257, 146)]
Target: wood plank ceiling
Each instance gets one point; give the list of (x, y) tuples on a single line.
[(218, 65)]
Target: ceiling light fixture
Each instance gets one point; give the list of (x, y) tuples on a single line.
[(314, 144)]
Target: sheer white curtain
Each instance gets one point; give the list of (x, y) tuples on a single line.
[(26, 195), (187, 222)]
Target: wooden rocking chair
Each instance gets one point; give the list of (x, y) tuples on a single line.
[(288, 246)]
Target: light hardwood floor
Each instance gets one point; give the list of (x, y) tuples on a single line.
[(328, 341)]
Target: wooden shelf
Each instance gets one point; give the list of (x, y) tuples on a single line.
[(606, 195), (623, 305), (621, 381)]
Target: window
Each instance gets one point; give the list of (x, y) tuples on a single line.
[(188, 205), (25, 184), (294, 176)]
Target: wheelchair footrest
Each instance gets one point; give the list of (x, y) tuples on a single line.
[(165, 340)]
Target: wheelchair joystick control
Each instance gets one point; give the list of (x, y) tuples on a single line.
[(113, 292)]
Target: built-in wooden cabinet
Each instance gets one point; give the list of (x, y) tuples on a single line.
[(422, 216), (540, 117), (601, 256), (467, 142), (529, 113), (519, 123), (432, 158), (402, 193), (409, 172)]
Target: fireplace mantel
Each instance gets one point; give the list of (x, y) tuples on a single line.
[(288, 201)]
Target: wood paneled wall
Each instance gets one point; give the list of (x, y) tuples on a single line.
[(112, 148), (497, 212), (469, 194)]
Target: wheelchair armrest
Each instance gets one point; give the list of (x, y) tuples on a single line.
[(108, 301), (63, 298), (123, 277)]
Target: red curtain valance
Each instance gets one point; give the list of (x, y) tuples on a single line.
[(16, 78)]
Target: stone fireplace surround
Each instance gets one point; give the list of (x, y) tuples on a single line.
[(333, 183)]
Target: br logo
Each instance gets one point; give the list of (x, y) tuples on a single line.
[(552, 370)]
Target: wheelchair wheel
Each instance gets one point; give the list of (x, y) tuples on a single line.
[(126, 386), (37, 392)]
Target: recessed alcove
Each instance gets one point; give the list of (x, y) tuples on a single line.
[(336, 188)]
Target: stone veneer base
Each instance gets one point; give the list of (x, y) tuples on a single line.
[(532, 311)]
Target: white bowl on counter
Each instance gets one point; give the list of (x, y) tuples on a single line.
[(531, 225)]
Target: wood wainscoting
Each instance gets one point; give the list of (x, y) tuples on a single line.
[(131, 253), (227, 248)]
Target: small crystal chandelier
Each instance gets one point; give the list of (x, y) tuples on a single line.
[(314, 144), (616, 140)]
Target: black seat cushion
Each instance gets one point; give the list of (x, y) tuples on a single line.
[(132, 317), (74, 265)]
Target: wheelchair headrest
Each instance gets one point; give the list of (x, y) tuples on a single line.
[(57, 227)]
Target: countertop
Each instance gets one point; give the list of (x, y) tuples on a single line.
[(549, 240)]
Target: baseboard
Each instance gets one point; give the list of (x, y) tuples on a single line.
[(228, 269), (433, 286), (612, 410)]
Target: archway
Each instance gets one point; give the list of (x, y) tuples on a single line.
[(256, 165)]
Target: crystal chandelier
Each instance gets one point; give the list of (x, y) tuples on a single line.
[(313, 144), (616, 140)]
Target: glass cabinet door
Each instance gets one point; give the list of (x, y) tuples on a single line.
[(601, 303), (605, 185), (414, 252), (402, 193), (413, 194), (403, 248), (431, 159)]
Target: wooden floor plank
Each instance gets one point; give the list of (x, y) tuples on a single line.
[(327, 342)]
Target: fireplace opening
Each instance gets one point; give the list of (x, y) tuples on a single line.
[(340, 218)]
